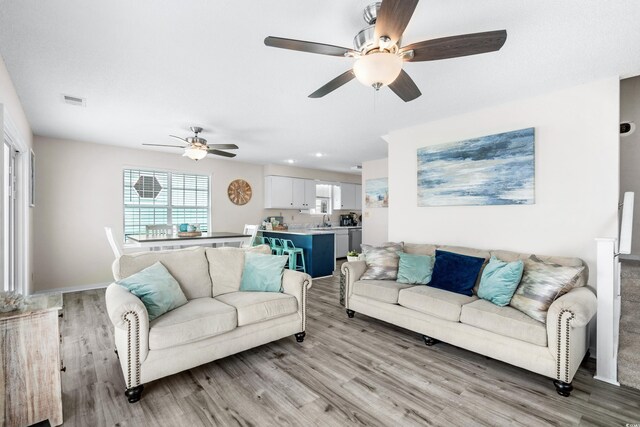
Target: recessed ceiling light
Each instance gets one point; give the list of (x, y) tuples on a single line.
[(319, 155), (290, 161)]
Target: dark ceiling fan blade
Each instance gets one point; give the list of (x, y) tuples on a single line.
[(393, 17), (334, 84), (304, 46), (220, 153), (456, 46), (404, 87), (224, 146), (181, 139), (165, 145)]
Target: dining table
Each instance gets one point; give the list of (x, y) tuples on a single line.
[(160, 241)]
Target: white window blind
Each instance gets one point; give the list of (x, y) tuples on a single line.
[(158, 197)]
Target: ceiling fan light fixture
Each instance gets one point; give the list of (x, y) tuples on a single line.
[(195, 153), (377, 69)]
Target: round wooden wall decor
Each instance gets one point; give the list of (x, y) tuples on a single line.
[(239, 192)]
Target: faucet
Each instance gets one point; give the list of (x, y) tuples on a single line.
[(325, 223)]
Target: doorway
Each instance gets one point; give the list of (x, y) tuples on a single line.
[(9, 217)]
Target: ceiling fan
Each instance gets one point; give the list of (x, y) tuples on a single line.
[(197, 147), (378, 54)]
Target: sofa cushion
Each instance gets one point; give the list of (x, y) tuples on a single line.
[(262, 273), (379, 290), (156, 288), (500, 280), (506, 321), (456, 272), (420, 249), (542, 283), (188, 266), (198, 319), (382, 261), (565, 261), (435, 302), (415, 269), (226, 265), (254, 307)]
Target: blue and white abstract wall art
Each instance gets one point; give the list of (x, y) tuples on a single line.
[(377, 193), (490, 170)]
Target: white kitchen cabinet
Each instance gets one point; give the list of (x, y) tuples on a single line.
[(298, 193), (309, 194), (278, 192), (358, 197), (304, 193), (283, 192), (347, 196)]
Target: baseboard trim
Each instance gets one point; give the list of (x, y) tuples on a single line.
[(75, 288), (606, 380)]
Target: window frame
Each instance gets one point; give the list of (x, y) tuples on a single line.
[(169, 206)]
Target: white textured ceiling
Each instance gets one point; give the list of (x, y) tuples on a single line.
[(150, 68)]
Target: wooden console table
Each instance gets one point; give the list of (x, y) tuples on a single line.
[(30, 366)]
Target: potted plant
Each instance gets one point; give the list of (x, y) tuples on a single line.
[(353, 256)]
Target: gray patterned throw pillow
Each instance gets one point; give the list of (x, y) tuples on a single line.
[(542, 283), (382, 261)]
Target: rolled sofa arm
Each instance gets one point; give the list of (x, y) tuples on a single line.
[(567, 330), (131, 321), (296, 283), (352, 272)]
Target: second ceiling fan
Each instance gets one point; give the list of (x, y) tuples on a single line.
[(197, 147), (379, 55)]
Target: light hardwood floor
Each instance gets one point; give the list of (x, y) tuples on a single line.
[(347, 372)]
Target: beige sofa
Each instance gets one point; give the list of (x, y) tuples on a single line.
[(218, 320), (554, 350)]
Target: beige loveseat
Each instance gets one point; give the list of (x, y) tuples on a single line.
[(218, 320), (554, 349)]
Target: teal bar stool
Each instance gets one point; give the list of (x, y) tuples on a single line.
[(260, 240), (290, 249), (276, 246)]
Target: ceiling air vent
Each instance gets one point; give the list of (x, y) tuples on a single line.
[(356, 167), (74, 100)]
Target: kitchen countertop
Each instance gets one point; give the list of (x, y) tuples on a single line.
[(301, 232), (310, 231)]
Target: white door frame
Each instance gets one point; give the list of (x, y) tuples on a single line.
[(22, 220)]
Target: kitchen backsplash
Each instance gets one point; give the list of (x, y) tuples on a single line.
[(296, 219)]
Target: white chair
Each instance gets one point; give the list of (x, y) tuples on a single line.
[(159, 229), (253, 231), (115, 247)]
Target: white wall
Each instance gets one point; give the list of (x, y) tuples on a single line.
[(576, 167), (80, 192), (375, 221), (11, 110), (630, 152)]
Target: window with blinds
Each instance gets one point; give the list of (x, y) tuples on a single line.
[(158, 197)]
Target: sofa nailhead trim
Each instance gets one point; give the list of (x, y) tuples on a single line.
[(136, 343), (567, 330), (304, 304), (347, 286)]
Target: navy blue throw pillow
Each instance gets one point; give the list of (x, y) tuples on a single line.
[(455, 272)]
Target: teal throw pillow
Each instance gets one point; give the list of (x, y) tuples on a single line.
[(414, 269), (262, 273), (156, 288), (500, 280)]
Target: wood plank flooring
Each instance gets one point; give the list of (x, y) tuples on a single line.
[(357, 371)]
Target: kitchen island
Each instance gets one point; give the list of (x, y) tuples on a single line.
[(319, 249)]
